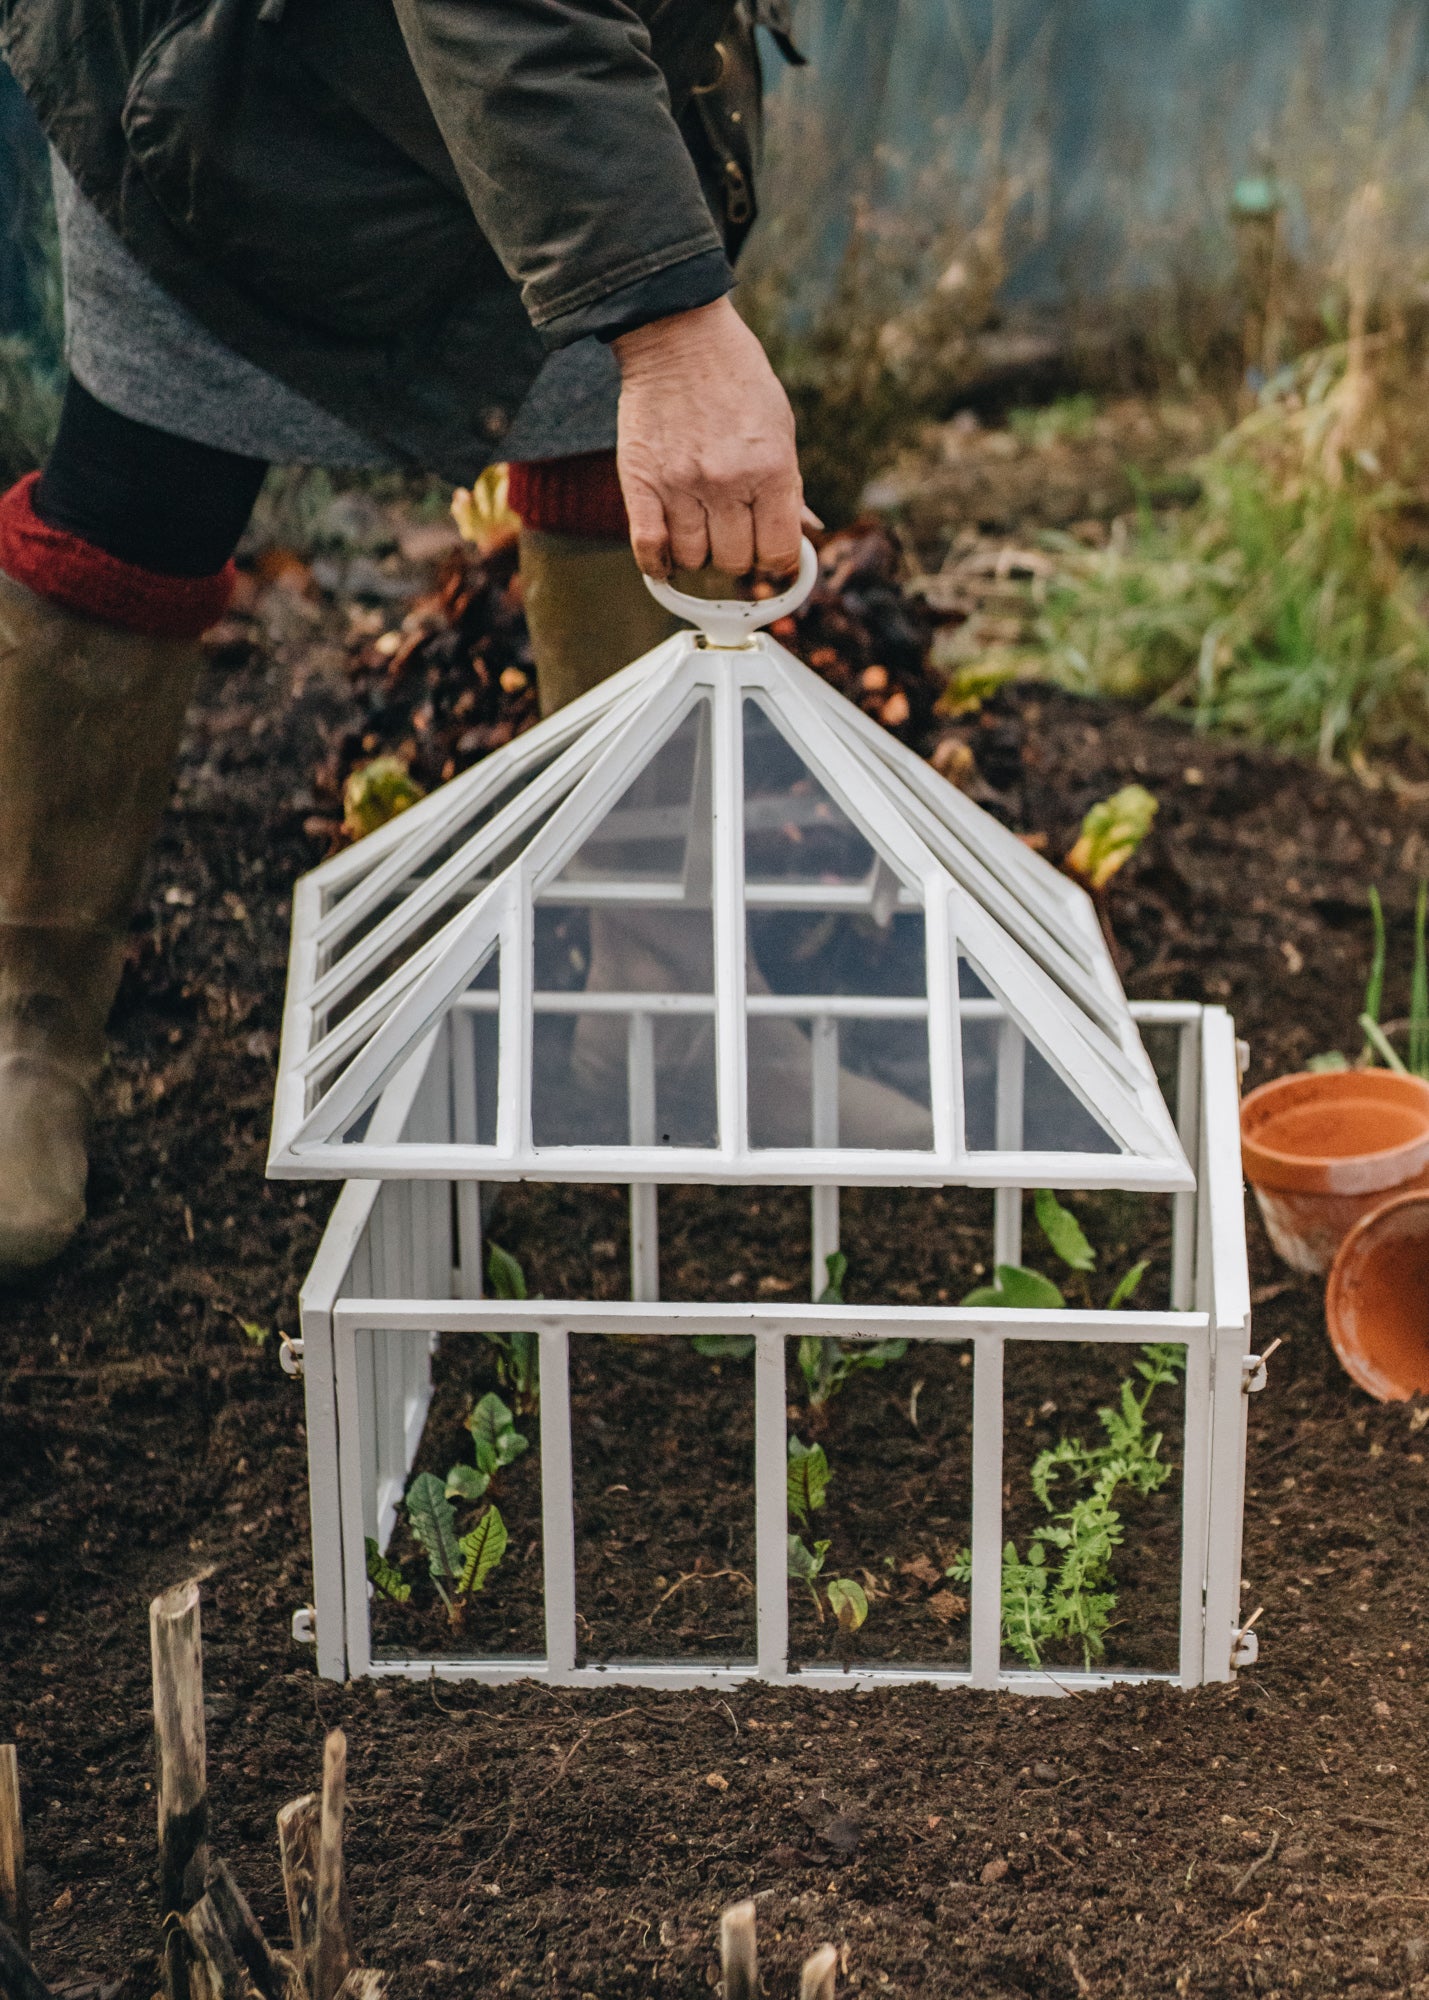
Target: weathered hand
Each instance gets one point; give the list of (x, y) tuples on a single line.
[(706, 448)]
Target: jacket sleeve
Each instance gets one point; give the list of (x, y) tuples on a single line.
[(559, 122)]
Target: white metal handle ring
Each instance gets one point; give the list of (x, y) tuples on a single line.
[(728, 621)]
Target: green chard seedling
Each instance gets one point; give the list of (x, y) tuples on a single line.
[(459, 1565), (807, 1486), (496, 1442), (385, 1577), (1017, 1286), (518, 1364)]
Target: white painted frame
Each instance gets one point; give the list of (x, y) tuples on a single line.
[(381, 1292), (1031, 932)]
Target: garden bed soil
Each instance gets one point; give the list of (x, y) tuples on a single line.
[(1264, 1837)]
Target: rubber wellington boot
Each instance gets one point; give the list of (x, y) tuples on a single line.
[(90, 718)]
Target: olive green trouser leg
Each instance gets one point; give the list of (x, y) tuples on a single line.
[(587, 610)]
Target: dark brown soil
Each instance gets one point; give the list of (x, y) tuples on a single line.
[(539, 1843)]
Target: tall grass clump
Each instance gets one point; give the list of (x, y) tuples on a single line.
[(1277, 606)]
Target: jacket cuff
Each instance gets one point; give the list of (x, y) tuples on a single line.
[(676, 288)]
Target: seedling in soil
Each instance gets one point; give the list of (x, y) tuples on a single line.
[(1017, 1286), (459, 1564), (808, 1487), (826, 1364), (1111, 833), (518, 1365), (384, 1576), (497, 1444), (1378, 1048), (1064, 1588)]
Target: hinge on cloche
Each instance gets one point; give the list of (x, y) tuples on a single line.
[(1245, 1644), (1253, 1369), (305, 1626), (290, 1356)]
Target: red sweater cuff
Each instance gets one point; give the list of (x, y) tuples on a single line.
[(72, 572), (570, 496)]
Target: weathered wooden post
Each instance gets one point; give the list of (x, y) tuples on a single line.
[(181, 1768), (739, 1952), (14, 1904)]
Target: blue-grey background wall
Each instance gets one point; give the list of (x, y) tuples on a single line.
[(1116, 127)]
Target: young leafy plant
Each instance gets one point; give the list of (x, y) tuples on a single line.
[(496, 1442), (807, 1485), (825, 1363), (458, 1564), (385, 1577), (518, 1365), (1111, 833), (1377, 1045), (807, 1480), (1063, 1589), (1017, 1286)]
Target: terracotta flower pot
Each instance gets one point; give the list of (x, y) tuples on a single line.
[(1377, 1302), (1322, 1149)]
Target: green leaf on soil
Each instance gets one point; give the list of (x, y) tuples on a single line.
[(808, 1479), (724, 1346), (430, 1516), (1063, 1231), (508, 1280), (836, 1270), (805, 1563), (385, 1576), (465, 1482), (482, 1550), (1128, 1284), (1019, 1287), (493, 1431), (848, 1603)]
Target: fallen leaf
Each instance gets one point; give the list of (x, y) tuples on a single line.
[(923, 1570), (946, 1606), (716, 1783)]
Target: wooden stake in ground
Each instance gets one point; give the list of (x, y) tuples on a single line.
[(176, 1649), (14, 1905), (332, 1952), (739, 1953), (819, 1974), (298, 1853)]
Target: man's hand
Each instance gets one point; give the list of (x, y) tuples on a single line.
[(706, 451)]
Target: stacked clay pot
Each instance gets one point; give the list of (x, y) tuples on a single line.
[(1337, 1160)]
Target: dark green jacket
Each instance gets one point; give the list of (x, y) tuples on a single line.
[(399, 206)]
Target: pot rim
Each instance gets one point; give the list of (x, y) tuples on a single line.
[(1335, 1173)]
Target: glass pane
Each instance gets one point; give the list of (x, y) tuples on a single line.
[(890, 1507), (793, 830), (663, 1446), (646, 836), (1096, 1605), (475, 1031), (623, 1035), (1013, 1099), (836, 1077), (414, 1614)]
